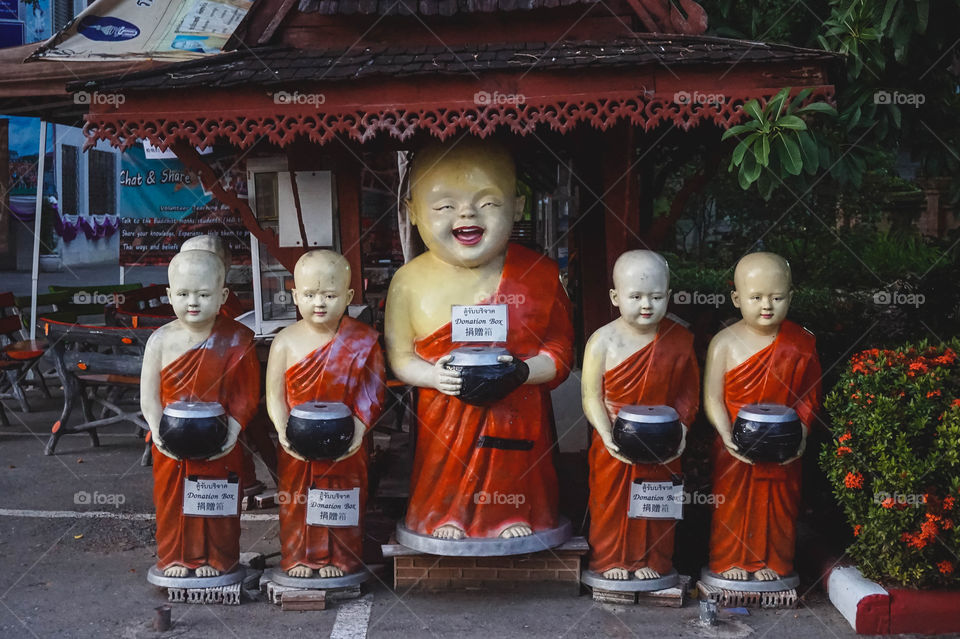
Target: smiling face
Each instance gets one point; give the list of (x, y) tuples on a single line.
[(196, 286), (641, 291), (763, 290), (463, 201), (322, 293)]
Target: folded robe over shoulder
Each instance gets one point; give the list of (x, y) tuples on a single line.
[(223, 369), (665, 373), (484, 490), (348, 369), (754, 524)]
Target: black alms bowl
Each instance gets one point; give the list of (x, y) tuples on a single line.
[(647, 434), (483, 379), (320, 430), (193, 430), (767, 432)]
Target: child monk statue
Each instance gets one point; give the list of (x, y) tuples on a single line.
[(326, 356), (199, 357), (762, 358), (479, 471), (638, 359)]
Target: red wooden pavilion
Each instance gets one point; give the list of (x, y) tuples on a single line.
[(594, 85)]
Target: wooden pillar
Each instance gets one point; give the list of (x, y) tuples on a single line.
[(348, 204), (621, 207), (588, 239)]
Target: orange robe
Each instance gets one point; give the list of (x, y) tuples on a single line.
[(664, 372), (224, 369), (348, 369), (755, 525), (512, 479)]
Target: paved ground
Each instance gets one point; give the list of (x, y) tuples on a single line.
[(68, 572)]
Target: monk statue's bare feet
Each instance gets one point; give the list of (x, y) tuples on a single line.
[(765, 574), (301, 572), (616, 573), (735, 573), (449, 531), (207, 571), (176, 570), (516, 530), (329, 571), (646, 573)]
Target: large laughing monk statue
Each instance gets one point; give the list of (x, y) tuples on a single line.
[(761, 359), (479, 471)]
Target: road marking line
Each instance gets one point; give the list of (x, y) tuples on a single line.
[(103, 514), (353, 617)]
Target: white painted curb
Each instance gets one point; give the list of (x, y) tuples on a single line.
[(847, 588)]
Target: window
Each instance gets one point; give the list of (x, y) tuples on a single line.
[(102, 183), (69, 180)]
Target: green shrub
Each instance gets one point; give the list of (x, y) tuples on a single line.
[(894, 464)]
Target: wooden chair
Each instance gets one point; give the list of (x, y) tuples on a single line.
[(97, 365)]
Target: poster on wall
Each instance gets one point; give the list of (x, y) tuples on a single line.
[(36, 15), (155, 29), (162, 204)]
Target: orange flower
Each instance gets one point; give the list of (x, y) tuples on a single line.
[(847, 436), (955, 402), (853, 480), (843, 450), (887, 503), (856, 530), (933, 393), (945, 567), (948, 502)]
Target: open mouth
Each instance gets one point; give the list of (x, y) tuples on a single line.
[(468, 235), (766, 315)]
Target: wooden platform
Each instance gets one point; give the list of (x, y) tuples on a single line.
[(416, 571), (673, 597)]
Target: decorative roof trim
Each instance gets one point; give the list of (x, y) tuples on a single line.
[(280, 127)]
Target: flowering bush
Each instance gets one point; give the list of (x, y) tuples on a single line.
[(895, 462)]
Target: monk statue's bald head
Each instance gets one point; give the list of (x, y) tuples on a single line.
[(197, 262), (196, 289), (763, 290), (769, 265), (322, 288), (463, 200), (212, 243), (641, 288), (641, 266)]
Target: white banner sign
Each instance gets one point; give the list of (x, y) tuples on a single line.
[(156, 29), (333, 508), (482, 323), (210, 497), (656, 500)]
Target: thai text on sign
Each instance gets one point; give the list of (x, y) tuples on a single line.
[(655, 500), (479, 323), (333, 508), (210, 497)]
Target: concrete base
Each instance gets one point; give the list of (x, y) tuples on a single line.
[(598, 581), (787, 582), (485, 547)]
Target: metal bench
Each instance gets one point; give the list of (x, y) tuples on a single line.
[(97, 365)]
